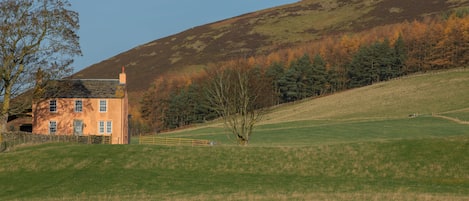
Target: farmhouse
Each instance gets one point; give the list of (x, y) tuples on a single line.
[(83, 107)]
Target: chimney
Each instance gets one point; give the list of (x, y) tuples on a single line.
[(122, 76)]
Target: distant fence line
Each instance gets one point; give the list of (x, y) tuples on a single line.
[(153, 140), (9, 140), (12, 139)]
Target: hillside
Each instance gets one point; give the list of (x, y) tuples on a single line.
[(422, 105), (258, 33), (422, 94)]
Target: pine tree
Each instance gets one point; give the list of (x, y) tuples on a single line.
[(304, 76), (319, 78), (288, 85), (399, 57), (274, 73)]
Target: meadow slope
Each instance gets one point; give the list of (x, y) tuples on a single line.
[(354, 145), (422, 94), (380, 111)]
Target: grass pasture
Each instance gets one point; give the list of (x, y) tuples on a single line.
[(319, 132), (409, 169), (355, 145)]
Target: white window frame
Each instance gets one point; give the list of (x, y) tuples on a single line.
[(52, 127), (101, 127), (79, 107), (102, 105), (53, 107), (108, 127)]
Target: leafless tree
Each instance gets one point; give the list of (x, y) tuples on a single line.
[(34, 34), (238, 94)]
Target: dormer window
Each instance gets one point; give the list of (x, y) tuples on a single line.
[(53, 105), (78, 106), (102, 106)]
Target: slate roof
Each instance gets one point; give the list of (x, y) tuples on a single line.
[(84, 88)]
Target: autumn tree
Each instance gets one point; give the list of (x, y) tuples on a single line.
[(451, 47), (155, 102), (34, 34), (238, 94)]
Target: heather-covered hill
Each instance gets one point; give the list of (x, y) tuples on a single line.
[(259, 33)]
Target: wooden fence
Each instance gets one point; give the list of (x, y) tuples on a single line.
[(9, 140), (153, 140)]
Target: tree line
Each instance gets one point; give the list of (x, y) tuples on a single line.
[(326, 66)]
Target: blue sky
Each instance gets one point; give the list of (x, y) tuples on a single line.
[(108, 28)]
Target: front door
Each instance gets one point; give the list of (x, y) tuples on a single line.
[(78, 127)]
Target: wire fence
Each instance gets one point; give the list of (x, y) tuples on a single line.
[(12, 139)]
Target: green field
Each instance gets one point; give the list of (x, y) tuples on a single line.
[(355, 145)]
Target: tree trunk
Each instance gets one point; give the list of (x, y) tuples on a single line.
[(3, 123), (5, 109)]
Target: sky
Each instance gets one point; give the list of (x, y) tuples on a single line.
[(108, 28)]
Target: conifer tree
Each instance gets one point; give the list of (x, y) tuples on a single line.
[(319, 78), (274, 73)]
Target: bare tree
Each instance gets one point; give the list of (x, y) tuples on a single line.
[(34, 34), (238, 94)]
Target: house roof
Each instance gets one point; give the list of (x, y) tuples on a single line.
[(84, 88)]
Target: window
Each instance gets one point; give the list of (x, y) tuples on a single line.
[(109, 127), (105, 127), (101, 127), (52, 127), (53, 105), (78, 106), (102, 105)]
